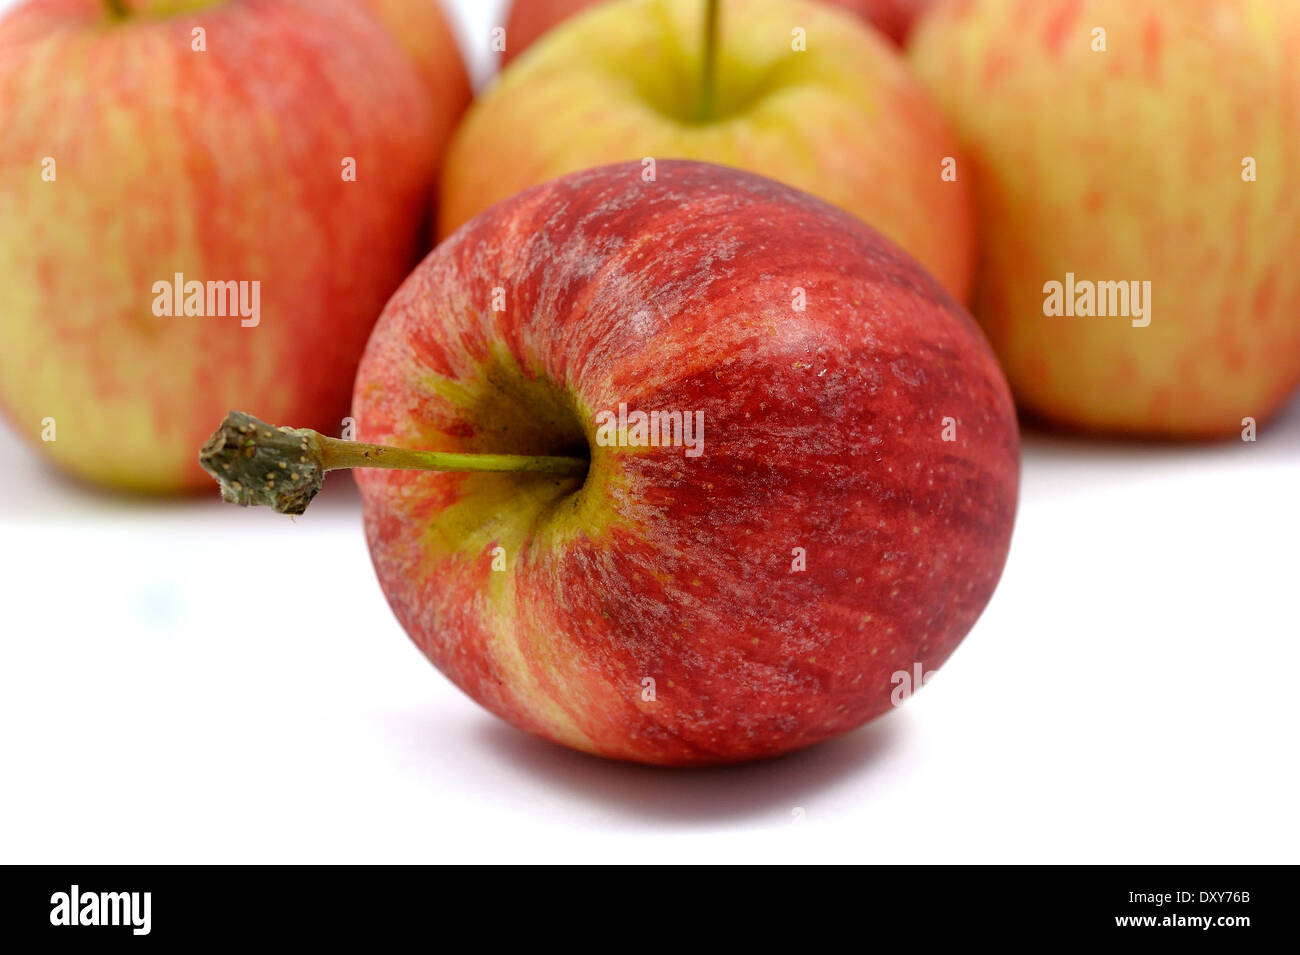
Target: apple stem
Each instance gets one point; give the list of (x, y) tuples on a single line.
[(117, 9), (709, 60), (283, 468)]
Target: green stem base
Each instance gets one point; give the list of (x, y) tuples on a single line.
[(283, 468)]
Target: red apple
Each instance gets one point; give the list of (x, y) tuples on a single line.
[(529, 19), (149, 138), (845, 520), (798, 92)]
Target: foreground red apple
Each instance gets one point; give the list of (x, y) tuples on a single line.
[(530, 19), (797, 91), (210, 141), (1135, 164), (834, 512)]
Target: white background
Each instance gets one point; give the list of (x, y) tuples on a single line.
[(1127, 696)]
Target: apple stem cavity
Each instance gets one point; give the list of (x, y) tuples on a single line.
[(117, 9), (259, 464), (709, 61)]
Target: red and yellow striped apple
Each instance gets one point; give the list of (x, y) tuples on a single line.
[(528, 20), (1122, 141), (846, 518), (142, 139), (842, 119), (426, 37)]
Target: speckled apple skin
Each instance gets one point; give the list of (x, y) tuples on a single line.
[(1127, 165), (224, 165), (823, 431)]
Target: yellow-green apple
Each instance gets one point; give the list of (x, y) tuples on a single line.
[(843, 119), (528, 20), (801, 464), (275, 158), (1132, 142)]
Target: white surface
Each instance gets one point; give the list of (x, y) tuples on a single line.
[(1128, 695)]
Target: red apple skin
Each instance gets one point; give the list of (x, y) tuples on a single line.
[(529, 19), (823, 431), (223, 165)]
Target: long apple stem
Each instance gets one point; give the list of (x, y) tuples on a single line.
[(709, 60), (283, 468), (116, 9)]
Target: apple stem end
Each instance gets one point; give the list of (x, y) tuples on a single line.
[(255, 463)]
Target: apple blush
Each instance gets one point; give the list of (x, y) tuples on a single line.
[(543, 535)]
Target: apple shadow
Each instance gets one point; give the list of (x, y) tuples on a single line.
[(1278, 438), (1062, 465), (697, 796)]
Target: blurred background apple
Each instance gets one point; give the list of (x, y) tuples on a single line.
[(1169, 157), (212, 139), (423, 31), (843, 119), (529, 19)]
